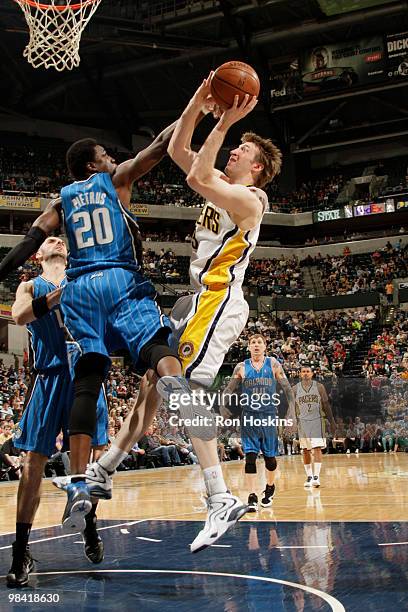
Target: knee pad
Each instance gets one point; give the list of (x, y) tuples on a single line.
[(83, 413), (271, 464), (90, 364), (156, 349), (250, 463)]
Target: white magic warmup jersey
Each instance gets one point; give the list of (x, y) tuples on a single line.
[(308, 402), (220, 250)]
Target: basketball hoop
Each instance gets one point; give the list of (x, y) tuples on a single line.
[(55, 31)]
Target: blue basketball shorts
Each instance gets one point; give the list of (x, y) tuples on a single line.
[(112, 309), (256, 438), (47, 410)]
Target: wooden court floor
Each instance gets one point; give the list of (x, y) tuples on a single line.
[(354, 488)]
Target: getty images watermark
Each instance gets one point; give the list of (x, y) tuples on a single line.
[(250, 404)]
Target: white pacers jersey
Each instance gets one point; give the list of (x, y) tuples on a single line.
[(308, 402), (220, 250)]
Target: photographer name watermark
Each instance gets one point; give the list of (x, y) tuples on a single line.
[(246, 420)]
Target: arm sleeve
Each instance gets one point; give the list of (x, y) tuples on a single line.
[(22, 251)]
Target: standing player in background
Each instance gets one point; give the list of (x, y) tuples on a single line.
[(107, 304), (207, 323), (48, 402), (258, 377), (312, 408)]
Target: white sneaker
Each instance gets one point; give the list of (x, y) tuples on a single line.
[(99, 481), (171, 387), (357, 451), (316, 481), (308, 482), (224, 510), (348, 451)]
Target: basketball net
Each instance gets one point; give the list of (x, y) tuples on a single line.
[(55, 31)]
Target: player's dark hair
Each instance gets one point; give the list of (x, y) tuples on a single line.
[(79, 155)]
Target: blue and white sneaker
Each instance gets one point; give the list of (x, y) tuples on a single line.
[(78, 505), (99, 481)]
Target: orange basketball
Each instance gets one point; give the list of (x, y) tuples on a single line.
[(233, 78)]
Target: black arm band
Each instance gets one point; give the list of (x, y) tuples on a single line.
[(40, 306), (22, 251)]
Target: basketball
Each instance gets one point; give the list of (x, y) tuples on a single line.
[(234, 78)]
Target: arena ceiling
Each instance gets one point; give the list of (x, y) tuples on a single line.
[(141, 61)]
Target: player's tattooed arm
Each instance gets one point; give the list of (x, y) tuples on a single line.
[(287, 389), (237, 377), (24, 306), (326, 407), (46, 223)]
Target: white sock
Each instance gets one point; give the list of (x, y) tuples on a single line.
[(317, 467), (112, 458), (308, 469), (214, 480)]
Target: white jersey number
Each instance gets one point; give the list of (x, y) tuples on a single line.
[(99, 223)]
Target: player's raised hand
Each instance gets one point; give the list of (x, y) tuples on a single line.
[(202, 96), (238, 111)]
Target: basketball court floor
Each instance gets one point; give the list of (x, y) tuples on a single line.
[(341, 547)]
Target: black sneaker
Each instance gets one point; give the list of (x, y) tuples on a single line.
[(252, 502), (266, 501), (21, 567), (93, 545)]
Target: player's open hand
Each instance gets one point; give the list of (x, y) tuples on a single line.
[(238, 111), (203, 93)]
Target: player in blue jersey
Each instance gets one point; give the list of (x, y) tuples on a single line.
[(258, 378), (107, 304), (48, 401)]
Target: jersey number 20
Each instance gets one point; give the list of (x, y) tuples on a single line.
[(99, 223)]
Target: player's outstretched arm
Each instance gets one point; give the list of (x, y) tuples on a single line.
[(26, 309), (179, 147), (287, 389), (46, 223), (230, 389), (206, 181), (132, 169)]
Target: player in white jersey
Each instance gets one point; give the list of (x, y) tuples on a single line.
[(207, 323), (312, 408)]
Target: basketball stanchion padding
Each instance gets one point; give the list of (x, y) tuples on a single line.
[(55, 31)]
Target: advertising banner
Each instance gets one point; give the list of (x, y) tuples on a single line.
[(140, 210), (328, 215), (397, 55), (19, 201), (285, 84), (343, 65)]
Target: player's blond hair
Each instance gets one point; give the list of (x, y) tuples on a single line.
[(269, 156), (253, 336)]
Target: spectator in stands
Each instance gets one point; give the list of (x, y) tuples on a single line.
[(156, 445), (388, 438)]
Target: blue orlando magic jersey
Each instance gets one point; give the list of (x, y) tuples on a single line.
[(101, 232), (47, 334), (258, 388)]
